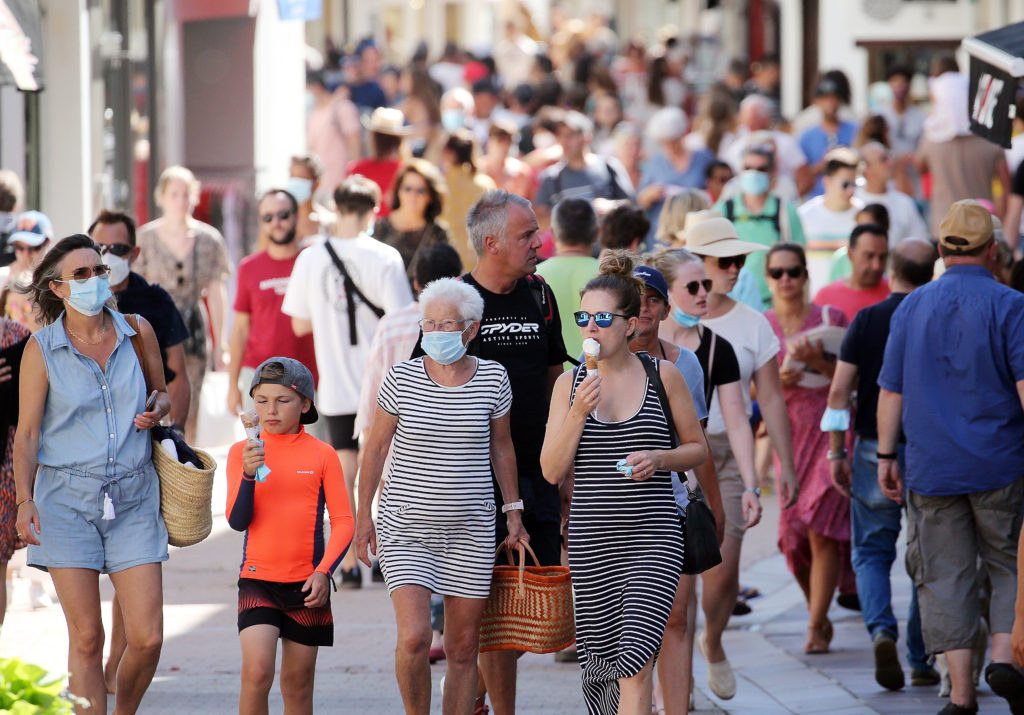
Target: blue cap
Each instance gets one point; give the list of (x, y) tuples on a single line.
[(652, 279), (33, 229)]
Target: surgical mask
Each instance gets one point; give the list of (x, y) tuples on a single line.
[(452, 119), (685, 319), (300, 188), (119, 268), (443, 346), (754, 182), (89, 296)]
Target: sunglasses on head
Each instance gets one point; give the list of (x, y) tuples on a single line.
[(280, 216), (81, 275), (792, 272), (602, 319), (693, 286), (118, 249), (725, 261)]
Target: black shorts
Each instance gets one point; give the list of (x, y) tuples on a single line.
[(281, 605), (545, 540), (340, 429)]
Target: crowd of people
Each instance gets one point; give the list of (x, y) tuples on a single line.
[(409, 328)]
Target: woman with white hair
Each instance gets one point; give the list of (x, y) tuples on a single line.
[(672, 167), (447, 414)]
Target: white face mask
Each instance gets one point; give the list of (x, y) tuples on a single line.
[(119, 268)]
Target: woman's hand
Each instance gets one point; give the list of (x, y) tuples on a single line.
[(151, 417), (27, 525), (644, 464), (810, 353), (366, 538), (789, 488), (751, 509), (588, 396), (516, 533), (789, 375), (253, 457), (318, 589)]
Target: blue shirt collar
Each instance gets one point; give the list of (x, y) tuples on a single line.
[(968, 269)]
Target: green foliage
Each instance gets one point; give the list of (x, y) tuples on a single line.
[(27, 689)]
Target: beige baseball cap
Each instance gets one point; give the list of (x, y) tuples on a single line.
[(967, 226), (717, 236)]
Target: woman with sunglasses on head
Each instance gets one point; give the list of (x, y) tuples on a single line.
[(88, 496), (188, 259), (815, 530), (716, 241), (608, 434)]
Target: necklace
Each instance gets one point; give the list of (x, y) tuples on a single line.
[(72, 333)]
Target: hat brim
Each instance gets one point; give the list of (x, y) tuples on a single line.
[(310, 416), (726, 247), (371, 127), (30, 238)]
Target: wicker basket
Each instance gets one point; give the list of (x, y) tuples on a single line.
[(185, 497), (529, 609)]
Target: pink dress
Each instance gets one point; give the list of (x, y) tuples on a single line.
[(820, 506)]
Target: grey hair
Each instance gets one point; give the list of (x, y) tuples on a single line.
[(668, 260), (489, 217), (467, 301), (875, 147), (757, 102)]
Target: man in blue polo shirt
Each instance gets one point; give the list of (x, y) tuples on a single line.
[(954, 372)]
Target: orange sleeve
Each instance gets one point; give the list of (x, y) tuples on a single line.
[(342, 523)]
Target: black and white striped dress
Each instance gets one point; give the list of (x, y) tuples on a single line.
[(625, 551), (435, 527)]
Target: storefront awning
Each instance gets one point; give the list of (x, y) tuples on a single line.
[(997, 63), (21, 45)]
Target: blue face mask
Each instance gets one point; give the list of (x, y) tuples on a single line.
[(685, 319), (89, 297), (300, 188), (754, 183), (443, 346), (452, 119)]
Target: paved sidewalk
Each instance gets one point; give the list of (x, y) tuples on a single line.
[(199, 667)]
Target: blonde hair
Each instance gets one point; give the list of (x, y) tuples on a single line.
[(668, 260), (178, 173), (673, 213)]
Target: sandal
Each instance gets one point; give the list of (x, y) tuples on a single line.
[(818, 639)]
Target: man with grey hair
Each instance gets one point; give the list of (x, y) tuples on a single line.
[(905, 220), (521, 330)]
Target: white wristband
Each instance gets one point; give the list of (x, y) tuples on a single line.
[(512, 506)]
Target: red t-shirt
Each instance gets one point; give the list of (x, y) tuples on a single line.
[(848, 300), (381, 172), (262, 282)]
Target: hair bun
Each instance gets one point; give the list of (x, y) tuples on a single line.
[(618, 262)]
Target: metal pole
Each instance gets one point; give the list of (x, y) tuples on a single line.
[(153, 164)]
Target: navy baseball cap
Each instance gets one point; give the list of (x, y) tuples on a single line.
[(652, 279), (296, 376)]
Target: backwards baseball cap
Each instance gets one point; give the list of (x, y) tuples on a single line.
[(652, 278), (33, 229), (967, 226), (294, 375)]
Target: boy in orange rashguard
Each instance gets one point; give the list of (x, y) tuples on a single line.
[(284, 585)]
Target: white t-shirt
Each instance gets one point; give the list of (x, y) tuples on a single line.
[(754, 343), (823, 224), (904, 219), (316, 293)]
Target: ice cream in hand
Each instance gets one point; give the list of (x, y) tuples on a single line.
[(251, 423), (591, 349)]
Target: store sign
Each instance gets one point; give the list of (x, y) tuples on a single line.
[(299, 9), (991, 102), (21, 45)]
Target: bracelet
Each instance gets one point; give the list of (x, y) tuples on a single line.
[(836, 456), (889, 456), (512, 506), (24, 501), (755, 490)]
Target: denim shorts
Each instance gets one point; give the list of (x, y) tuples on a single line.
[(74, 533)]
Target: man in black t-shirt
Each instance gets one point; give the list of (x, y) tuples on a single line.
[(521, 330), (875, 519)]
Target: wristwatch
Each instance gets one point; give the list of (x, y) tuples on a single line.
[(756, 490), (512, 506), (834, 456)]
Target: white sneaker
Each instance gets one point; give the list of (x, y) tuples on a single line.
[(721, 679), (38, 597)]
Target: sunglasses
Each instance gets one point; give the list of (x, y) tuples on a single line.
[(602, 319), (414, 190), (26, 248), (792, 272), (81, 275), (280, 216), (725, 261), (693, 286), (118, 249)]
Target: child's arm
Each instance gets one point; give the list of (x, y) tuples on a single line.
[(243, 460)]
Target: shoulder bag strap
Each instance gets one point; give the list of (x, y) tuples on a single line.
[(651, 367), (709, 388), (351, 292), (140, 348)]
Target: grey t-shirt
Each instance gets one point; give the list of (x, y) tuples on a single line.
[(601, 179)]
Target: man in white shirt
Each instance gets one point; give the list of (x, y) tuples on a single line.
[(904, 219), (338, 291), (829, 219)]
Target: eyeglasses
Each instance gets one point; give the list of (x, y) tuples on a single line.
[(26, 248), (118, 249), (280, 216), (428, 326), (725, 261), (81, 275), (693, 286), (602, 319), (414, 190), (793, 272)]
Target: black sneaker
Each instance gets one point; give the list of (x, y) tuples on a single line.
[(376, 575), (954, 709), (1007, 682), (920, 677), (849, 601), (741, 608), (351, 578), (888, 671)]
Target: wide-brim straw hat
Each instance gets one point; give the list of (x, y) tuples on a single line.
[(387, 120), (716, 236)]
